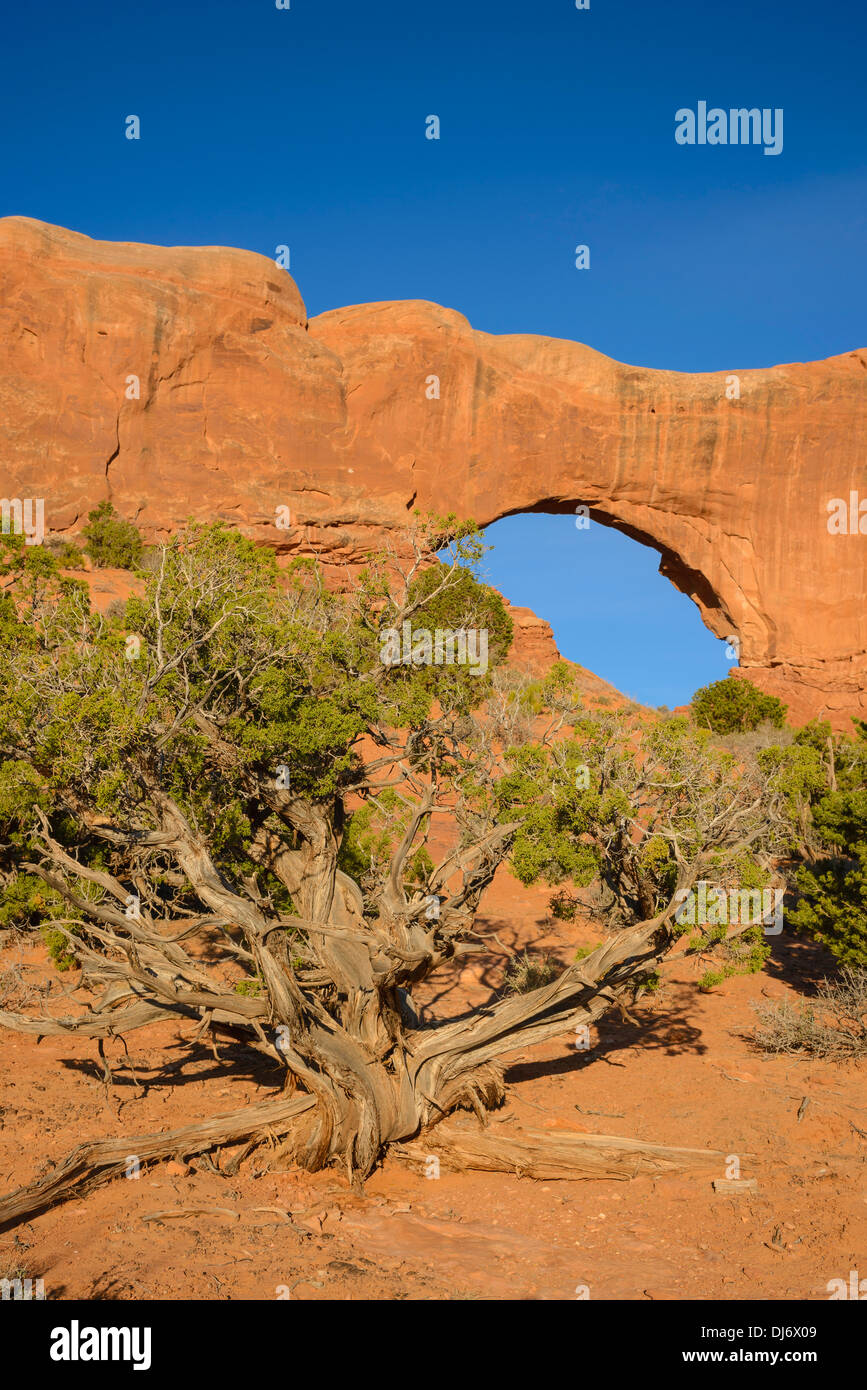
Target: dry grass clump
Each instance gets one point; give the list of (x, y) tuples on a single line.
[(833, 1025), (526, 972), (767, 735)]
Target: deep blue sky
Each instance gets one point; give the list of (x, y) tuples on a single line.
[(306, 127)]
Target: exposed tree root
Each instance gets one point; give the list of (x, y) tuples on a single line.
[(548, 1154), (91, 1164), (497, 1148)]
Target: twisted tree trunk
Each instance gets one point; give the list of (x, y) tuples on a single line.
[(370, 1077)]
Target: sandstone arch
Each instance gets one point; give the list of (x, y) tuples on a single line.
[(245, 406)]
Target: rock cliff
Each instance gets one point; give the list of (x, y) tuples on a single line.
[(188, 382)]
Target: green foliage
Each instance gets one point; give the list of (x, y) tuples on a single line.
[(548, 844), (564, 906), (23, 900), (745, 955), (745, 952), (65, 553), (369, 837), (801, 775), (655, 862), (734, 705), (449, 598), (26, 902), (584, 951), (290, 673), (620, 799), (833, 902), (250, 988), (111, 541), (33, 577), (21, 792), (825, 785), (59, 948), (747, 872), (419, 868), (650, 983), (241, 669)]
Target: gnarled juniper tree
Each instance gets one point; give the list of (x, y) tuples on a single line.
[(223, 800)]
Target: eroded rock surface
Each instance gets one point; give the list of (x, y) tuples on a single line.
[(188, 382)]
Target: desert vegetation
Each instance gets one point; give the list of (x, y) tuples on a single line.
[(834, 1024), (735, 705), (221, 805)]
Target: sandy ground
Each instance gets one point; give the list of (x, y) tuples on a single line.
[(685, 1074)]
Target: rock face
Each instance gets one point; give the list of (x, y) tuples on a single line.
[(187, 382), (533, 645)]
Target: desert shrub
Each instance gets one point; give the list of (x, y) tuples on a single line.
[(526, 972), (733, 705), (64, 552), (151, 559), (563, 905), (26, 902), (756, 741), (825, 782), (743, 955), (720, 933), (60, 949), (801, 773), (22, 898), (651, 982), (111, 541), (13, 1268), (584, 951), (833, 1025), (367, 840), (163, 773), (833, 904), (251, 987)]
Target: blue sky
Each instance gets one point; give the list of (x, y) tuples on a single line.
[(305, 127)]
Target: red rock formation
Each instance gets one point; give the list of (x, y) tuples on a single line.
[(534, 650), (366, 412), (533, 645)]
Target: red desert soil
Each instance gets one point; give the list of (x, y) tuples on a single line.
[(685, 1075)]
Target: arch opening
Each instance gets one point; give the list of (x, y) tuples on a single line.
[(617, 603)]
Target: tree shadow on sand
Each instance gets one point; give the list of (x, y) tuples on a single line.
[(799, 962), (669, 1030), (236, 1062)]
